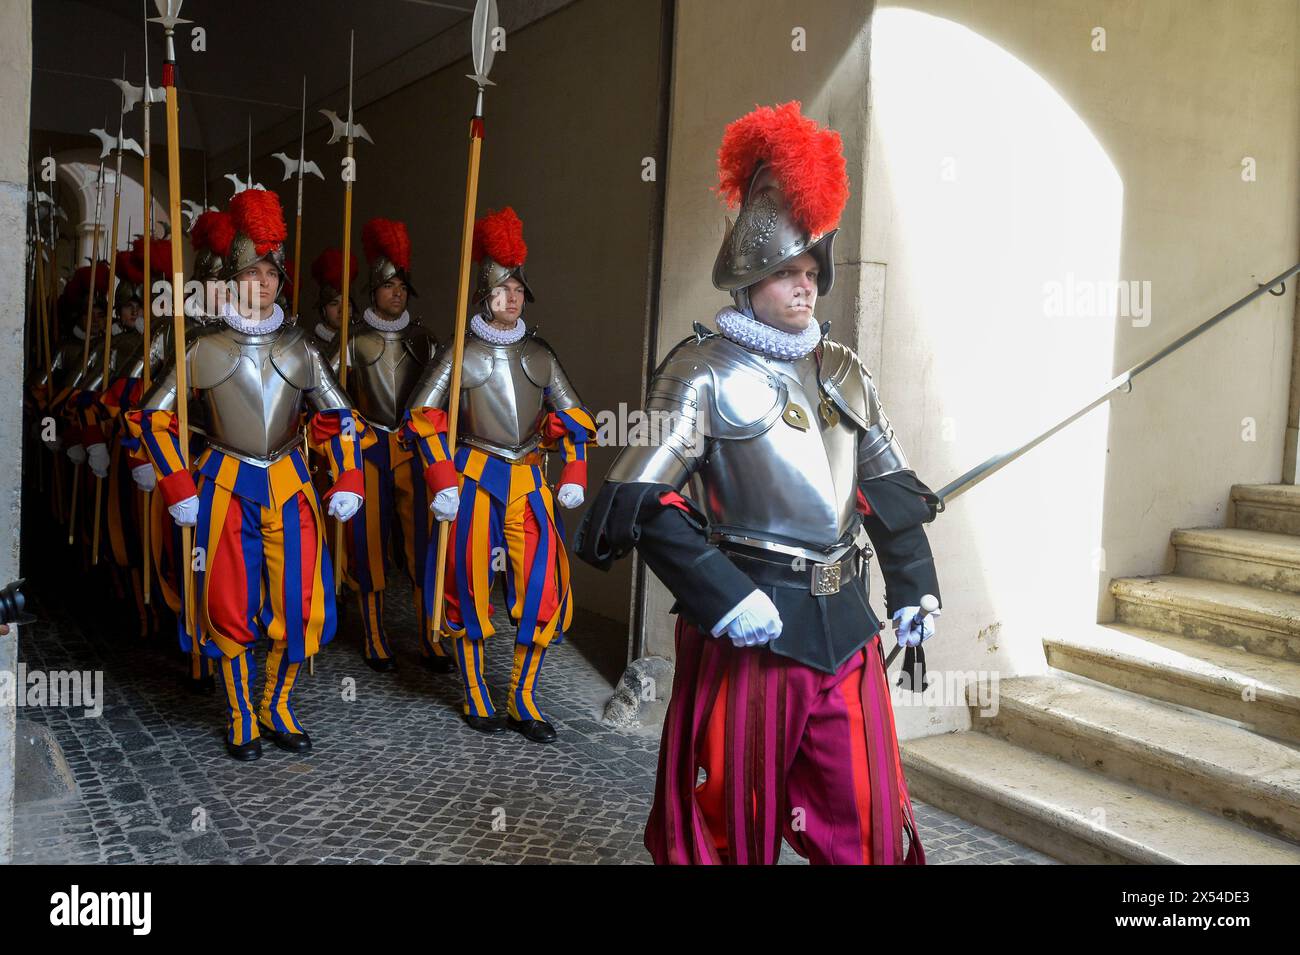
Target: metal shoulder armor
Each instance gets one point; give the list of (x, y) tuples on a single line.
[(435, 383), (295, 359), (846, 382), (879, 452), (324, 393), (707, 388), (543, 369), (212, 358)]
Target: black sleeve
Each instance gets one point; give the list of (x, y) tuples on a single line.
[(673, 543), (900, 504)]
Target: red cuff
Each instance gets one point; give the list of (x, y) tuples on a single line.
[(326, 424), (93, 434), (673, 499), (436, 418), (177, 486), (575, 472), (353, 480), (440, 475), (863, 507)]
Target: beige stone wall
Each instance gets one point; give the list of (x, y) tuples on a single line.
[(568, 123), (1009, 170), (15, 97), (1055, 162)]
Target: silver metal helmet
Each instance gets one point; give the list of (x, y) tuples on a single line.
[(243, 254), (382, 269), (207, 265), (765, 236), (492, 273)]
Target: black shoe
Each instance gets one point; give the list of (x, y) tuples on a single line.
[(247, 752), (380, 664), (487, 724), (204, 684), (438, 664), (539, 731), (291, 742)]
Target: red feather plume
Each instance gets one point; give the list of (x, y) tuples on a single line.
[(328, 268), (220, 233), (160, 257), (80, 281), (808, 160), (501, 236), (257, 213), (130, 266), (386, 237)]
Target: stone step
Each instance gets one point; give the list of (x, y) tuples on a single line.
[(1070, 813), (1265, 622), (1237, 556), (1267, 507), (1191, 757), (1261, 692)]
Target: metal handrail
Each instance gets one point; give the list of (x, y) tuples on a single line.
[(999, 461)]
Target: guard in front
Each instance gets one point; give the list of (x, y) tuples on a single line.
[(515, 404), (780, 696)]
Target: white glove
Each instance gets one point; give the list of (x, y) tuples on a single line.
[(445, 504), (98, 456), (343, 504), (144, 476), (185, 513), (569, 495), (752, 622), (77, 454), (911, 632)]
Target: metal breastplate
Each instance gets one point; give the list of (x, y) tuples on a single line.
[(385, 368), (501, 404), (791, 486), (251, 406)]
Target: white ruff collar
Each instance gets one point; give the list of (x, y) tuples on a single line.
[(479, 326), (325, 333), (249, 326), (138, 324), (385, 325), (763, 338)]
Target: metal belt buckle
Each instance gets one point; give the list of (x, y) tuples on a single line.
[(825, 579)]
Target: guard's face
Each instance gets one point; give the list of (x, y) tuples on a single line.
[(332, 311), (129, 314), (390, 299), (507, 301), (786, 298), (257, 287)]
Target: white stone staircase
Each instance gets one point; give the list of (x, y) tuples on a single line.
[(1169, 736)]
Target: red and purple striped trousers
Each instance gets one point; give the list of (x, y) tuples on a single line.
[(785, 751)]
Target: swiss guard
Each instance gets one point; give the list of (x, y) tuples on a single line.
[(795, 476), (387, 353), (264, 566), (515, 404), (327, 271), (210, 237)]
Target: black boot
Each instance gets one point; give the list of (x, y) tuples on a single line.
[(380, 664), (290, 742), (436, 664), (246, 752), (538, 731), (487, 724)]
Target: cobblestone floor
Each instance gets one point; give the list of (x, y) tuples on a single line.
[(395, 776)]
